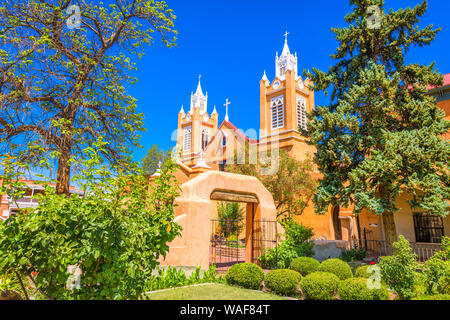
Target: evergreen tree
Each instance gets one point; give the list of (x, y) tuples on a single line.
[(380, 135)]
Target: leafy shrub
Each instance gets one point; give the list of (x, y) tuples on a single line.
[(358, 289), (231, 218), (398, 270), (296, 244), (319, 286), (247, 275), (114, 234), (174, 277), (355, 254), (338, 267), (361, 272), (305, 265), (283, 281), (437, 270)]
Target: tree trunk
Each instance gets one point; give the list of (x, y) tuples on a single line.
[(63, 174), (390, 232)]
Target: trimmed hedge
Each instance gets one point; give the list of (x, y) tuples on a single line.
[(305, 265), (338, 267), (283, 281), (320, 286), (361, 272), (357, 289), (247, 275)]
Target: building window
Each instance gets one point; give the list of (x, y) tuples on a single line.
[(187, 138), (428, 228), (205, 138), (301, 112), (277, 112)]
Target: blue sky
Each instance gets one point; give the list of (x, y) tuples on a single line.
[(231, 42)]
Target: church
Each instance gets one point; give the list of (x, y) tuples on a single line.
[(205, 145)]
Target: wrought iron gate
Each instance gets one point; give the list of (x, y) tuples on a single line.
[(227, 245), (264, 236)]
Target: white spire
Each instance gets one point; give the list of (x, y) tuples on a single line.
[(265, 76), (286, 47), (198, 99), (182, 110), (286, 61), (214, 111), (199, 86), (227, 103)]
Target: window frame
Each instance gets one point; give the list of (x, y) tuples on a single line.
[(277, 105), (428, 228)]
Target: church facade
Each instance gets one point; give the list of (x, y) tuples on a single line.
[(205, 145)]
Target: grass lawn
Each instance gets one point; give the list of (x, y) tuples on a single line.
[(212, 292)]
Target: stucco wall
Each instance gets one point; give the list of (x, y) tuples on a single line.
[(193, 213)]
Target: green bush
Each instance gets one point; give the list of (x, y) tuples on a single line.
[(247, 275), (305, 265), (320, 286), (361, 272), (355, 254), (296, 244), (436, 271), (283, 281), (357, 289), (337, 267), (398, 270)]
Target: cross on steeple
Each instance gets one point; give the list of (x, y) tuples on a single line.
[(227, 103), (199, 77), (286, 35)]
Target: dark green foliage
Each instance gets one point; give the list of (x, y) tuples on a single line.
[(154, 159), (305, 265), (319, 286), (437, 270), (247, 275), (297, 244), (231, 218), (338, 267), (283, 281), (380, 133), (398, 270), (358, 289), (355, 254)]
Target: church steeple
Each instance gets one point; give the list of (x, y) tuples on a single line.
[(286, 61), (199, 100)]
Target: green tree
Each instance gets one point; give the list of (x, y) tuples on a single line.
[(114, 233), (292, 186), (64, 76), (154, 158), (231, 218), (380, 134)]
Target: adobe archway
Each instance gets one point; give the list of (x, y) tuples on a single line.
[(193, 212)]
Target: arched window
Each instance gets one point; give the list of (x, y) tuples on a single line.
[(277, 112), (301, 112), (187, 138), (336, 223), (205, 138)]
